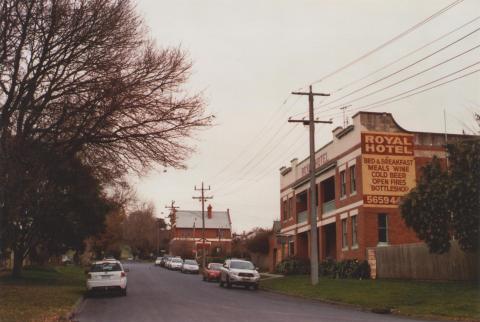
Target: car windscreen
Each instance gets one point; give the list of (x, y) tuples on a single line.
[(190, 262), (177, 260), (214, 266), (106, 267), (242, 265)]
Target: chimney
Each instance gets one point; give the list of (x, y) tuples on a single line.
[(209, 211)]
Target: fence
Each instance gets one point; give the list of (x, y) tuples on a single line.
[(414, 261)]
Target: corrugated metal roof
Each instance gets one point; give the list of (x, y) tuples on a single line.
[(186, 219)]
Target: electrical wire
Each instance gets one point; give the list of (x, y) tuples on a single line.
[(399, 97), (385, 44), (406, 78), (406, 67), (254, 138), (397, 72)]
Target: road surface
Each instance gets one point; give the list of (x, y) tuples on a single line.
[(157, 294)]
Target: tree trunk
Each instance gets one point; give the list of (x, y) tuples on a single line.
[(17, 263)]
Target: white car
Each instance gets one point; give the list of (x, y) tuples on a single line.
[(175, 263), (158, 261), (190, 266), (107, 275), (239, 272)]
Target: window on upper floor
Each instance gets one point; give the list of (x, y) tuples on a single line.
[(284, 209), (353, 179), (302, 202), (343, 184), (290, 207)]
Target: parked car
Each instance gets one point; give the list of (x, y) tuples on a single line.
[(158, 261), (190, 266), (107, 275), (212, 272), (168, 262), (165, 259), (176, 263), (239, 272)]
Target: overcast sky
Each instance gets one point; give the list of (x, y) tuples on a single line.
[(249, 55)]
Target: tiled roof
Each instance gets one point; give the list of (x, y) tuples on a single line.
[(187, 218)]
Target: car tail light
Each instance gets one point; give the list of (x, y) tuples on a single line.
[(123, 274)]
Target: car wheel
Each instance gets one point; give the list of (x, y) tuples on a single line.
[(229, 285), (204, 279), (124, 291), (221, 282)]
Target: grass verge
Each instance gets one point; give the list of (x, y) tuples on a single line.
[(42, 294), (447, 300)]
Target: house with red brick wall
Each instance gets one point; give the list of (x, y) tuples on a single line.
[(186, 231), (361, 176)]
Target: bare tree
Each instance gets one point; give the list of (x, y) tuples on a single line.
[(82, 78)]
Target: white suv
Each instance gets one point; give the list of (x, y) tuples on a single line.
[(239, 272), (107, 275)]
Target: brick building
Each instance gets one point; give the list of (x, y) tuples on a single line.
[(360, 176), (186, 232)]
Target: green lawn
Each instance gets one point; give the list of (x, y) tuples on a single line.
[(421, 299), (41, 294)]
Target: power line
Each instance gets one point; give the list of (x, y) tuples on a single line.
[(405, 68), (255, 138), (405, 56), (263, 172), (406, 78), (385, 44), (246, 167), (394, 98)]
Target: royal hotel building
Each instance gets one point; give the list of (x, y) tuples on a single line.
[(360, 177)]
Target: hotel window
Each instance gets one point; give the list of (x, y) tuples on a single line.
[(353, 180), (344, 233), (285, 209), (354, 231), (382, 228), (343, 184), (290, 207)]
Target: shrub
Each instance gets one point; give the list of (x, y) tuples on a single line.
[(350, 268), (293, 266)]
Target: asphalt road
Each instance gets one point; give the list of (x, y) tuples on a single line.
[(157, 294)]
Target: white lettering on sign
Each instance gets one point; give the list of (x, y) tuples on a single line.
[(388, 168)]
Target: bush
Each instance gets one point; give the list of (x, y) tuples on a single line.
[(293, 266), (350, 268)]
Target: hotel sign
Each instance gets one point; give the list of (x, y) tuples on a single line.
[(388, 168), (319, 161)]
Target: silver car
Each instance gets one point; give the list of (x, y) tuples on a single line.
[(107, 275), (239, 272), (190, 266), (175, 263)]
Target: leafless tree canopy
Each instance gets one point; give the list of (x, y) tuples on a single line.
[(80, 79), (82, 76)]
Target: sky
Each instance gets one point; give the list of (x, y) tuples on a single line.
[(248, 56)]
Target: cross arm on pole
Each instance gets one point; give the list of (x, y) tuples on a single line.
[(308, 93), (306, 122)]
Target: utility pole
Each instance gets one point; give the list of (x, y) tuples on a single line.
[(345, 119), (202, 199), (172, 208), (313, 198)]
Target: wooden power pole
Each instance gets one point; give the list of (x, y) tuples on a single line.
[(313, 198), (202, 198)]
